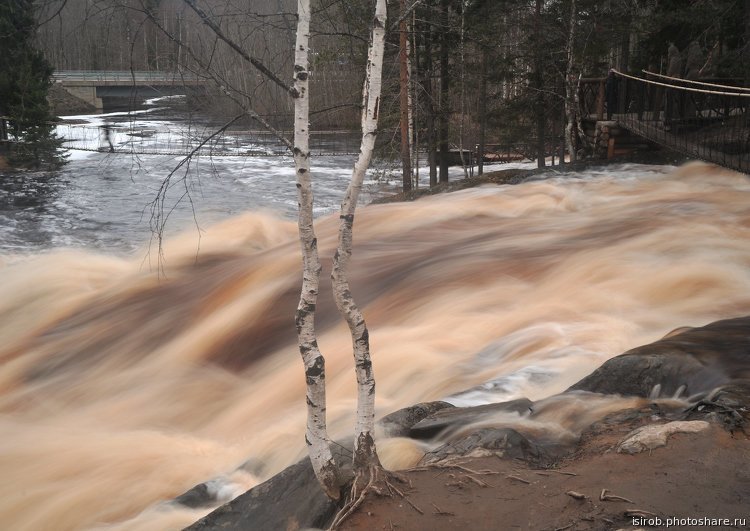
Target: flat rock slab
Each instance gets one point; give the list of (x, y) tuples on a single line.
[(656, 435)]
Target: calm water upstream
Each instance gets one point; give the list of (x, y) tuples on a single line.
[(102, 200), (120, 390)]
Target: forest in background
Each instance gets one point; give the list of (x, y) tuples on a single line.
[(479, 71)]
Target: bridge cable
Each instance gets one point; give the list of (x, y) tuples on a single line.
[(686, 89), (703, 83)]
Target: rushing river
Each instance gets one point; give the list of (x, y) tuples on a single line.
[(119, 389)]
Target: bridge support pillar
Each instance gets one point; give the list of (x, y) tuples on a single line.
[(86, 93), (604, 137)]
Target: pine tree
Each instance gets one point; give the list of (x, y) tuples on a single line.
[(24, 81)]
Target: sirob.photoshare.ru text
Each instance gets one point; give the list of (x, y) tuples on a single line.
[(688, 522)]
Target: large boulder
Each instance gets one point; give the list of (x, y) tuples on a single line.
[(451, 419), (692, 362), (291, 499), (505, 443), (399, 423)]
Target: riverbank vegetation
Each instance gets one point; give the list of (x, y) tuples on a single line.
[(477, 77), (27, 138)]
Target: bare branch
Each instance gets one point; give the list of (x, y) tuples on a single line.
[(158, 216), (54, 15), (222, 84), (247, 57)]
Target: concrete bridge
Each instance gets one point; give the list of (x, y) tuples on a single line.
[(92, 86)]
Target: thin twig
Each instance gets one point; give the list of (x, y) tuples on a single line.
[(605, 496), (564, 473), (478, 481), (393, 487), (247, 57), (640, 512), (439, 511)]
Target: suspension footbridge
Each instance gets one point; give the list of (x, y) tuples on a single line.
[(705, 119)]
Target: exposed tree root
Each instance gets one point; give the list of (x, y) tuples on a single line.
[(457, 466), (376, 480)]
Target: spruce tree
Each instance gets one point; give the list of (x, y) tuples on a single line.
[(24, 82)]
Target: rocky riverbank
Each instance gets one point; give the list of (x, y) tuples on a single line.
[(657, 433)]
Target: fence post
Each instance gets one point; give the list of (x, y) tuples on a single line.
[(640, 96)]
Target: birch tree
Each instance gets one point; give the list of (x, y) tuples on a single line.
[(571, 85), (316, 435), (366, 463)]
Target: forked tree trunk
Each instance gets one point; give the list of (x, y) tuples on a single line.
[(316, 435), (365, 456)]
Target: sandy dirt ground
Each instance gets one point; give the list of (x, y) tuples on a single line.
[(697, 475)]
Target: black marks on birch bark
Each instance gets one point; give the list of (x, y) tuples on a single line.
[(316, 371), (365, 364)]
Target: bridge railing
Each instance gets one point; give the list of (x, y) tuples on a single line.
[(97, 76), (705, 120)]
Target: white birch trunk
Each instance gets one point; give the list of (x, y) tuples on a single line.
[(410, 107), (463, 90), (316, 435), (365, 455), (570, 87)]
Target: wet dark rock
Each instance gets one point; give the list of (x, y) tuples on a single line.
[(454, 418), (198, 496), (727, 406), (502, 442), (291, 499), (692, 362), (399, 423)]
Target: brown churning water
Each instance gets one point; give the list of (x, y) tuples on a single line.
[(120, 390)]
